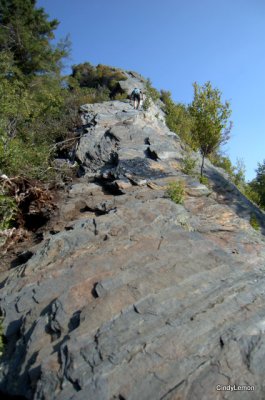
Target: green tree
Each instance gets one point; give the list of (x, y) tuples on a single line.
[(178, 118), (258, 184), (26, 109), (210, 119), (251, 194), (239, 173), (25, 32), (32, 97)]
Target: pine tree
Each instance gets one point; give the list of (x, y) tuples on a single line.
[(25, 33), (32, 97)]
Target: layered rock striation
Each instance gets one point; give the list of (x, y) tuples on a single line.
[(131, 296)]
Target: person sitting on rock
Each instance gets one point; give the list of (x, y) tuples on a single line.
[(136, 97)]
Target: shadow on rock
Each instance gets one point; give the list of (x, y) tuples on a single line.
[(136, 170), (232, 196)]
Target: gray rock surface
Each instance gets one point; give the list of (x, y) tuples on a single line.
[(133, 80), (131, 296)]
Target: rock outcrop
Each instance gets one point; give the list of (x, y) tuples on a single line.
[(131, 296)]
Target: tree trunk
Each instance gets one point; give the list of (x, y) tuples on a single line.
[(203, 156)]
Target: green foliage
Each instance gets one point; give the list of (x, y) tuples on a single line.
[(8, 210), (120, 96), (165, 97), (254, 222), (235, 172), (251, 194), (27, 124), (178, 119), (39, 110), (147, 103), (189, 164), (258, 184), (176, 192), (101, 76), (238, 175), (26, 32), (251, 190), (32, 99), (13, 98), (151, 92), (221, 161), (85, 95), (210, 119), (254, 190), (204, 180), (34, 117), (25, 158)]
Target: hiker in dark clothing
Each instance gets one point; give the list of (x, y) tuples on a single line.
[(136, 96)]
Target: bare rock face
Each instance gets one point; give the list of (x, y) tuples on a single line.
[(132, 296), (133, 79)]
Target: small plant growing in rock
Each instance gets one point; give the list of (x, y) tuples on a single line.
[(204, 180), (254, 222), (146, 103), (151, 91), (121, 96), (188, 164), (176, 191)]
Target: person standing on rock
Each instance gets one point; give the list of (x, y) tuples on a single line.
[(136, 96)]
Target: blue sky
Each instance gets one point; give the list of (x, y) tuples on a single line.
[(178, 42)]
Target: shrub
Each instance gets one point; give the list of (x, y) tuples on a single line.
[(258, 184), (151, 92), (120, 96), (189, 164), (29, 148), (94, 77), (8, 211), (39, 119), (178, 119), (176, 192), (147, 103), (251, 194), (25, 158), (221, 161), (204, 180)]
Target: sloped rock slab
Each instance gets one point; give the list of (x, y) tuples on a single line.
[(139, 298), (135, 169), (121, 145)]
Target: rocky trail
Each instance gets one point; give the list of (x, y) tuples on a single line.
[(130, 296)]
